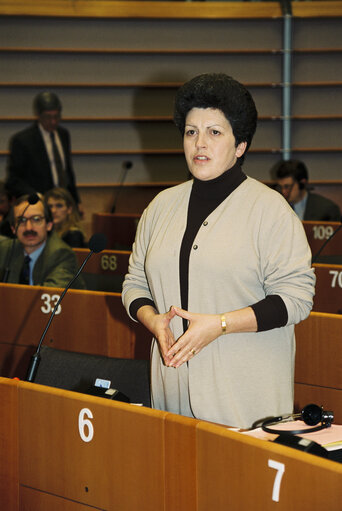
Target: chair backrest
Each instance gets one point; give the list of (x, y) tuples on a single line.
[(78, 371)]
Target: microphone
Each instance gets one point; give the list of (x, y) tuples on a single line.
[(126, 166), (97, 243), (326, 242), (32, 199)]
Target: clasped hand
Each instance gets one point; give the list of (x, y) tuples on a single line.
[(202, 330)]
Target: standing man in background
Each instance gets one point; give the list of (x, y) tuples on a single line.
[(40, 155), (292, 182)]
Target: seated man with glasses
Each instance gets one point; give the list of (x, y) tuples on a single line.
[(38, 256), (292, 182), (40, 155)]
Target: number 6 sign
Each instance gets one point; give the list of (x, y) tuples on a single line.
[(85, 426)]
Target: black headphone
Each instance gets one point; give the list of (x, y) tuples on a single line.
[(311, 415)]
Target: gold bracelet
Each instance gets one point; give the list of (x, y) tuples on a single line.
[(223, 324)]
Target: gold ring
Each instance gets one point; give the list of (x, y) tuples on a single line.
[(193, 351)]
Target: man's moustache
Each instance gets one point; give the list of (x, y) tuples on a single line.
[(30, 233)]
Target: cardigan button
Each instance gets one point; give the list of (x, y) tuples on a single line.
[(195, 247), (205, 223)]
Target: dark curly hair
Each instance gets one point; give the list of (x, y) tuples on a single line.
[(220, 91)]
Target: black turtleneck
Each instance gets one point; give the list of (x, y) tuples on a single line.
[(205, 197)]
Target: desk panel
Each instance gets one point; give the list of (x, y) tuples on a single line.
[(14, 360), (119, 463), (107, 263), (180, 463), (319, 350), (234, 473), (9, 468), (318, 367), (89, 322), (105, 272), (328, 293), (119, 228), (318, 232)]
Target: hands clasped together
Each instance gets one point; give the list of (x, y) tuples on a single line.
[(202, 330)]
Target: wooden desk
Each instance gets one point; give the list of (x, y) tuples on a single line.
[(89, 322), (119, 228), (236, 472), (328, 292), (317, 233), (318, 370), (106, 272), (94, 453), (9, 450)]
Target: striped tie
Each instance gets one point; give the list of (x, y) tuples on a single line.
[(58, 162)]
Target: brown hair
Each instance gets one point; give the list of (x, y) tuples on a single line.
[(73, 220)]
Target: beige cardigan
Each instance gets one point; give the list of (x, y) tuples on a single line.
[(250, 246)]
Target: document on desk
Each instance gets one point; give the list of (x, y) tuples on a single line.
[(330, 438)]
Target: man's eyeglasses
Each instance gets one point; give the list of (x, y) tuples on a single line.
[(35, 220), (284, 188)]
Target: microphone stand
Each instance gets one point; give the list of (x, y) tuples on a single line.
[(126, 166), (97, 244)]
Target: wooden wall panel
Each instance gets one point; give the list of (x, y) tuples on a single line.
[(111, 62)]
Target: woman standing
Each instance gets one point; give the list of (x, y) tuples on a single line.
[(220, 271)]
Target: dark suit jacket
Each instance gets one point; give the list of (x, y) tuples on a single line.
[(29, 170), (55, 266), (321, 208)]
